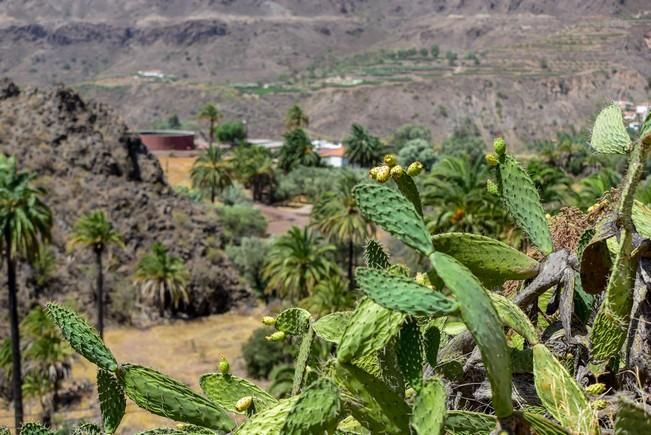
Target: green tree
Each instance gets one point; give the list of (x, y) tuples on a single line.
[(409, 132), (297, 262), (174, 122), (424, 52), (435, 51), (211, 173), (163, 278), (330, 295), (417, 150), (94, 231), (232, 132), (212, 115), (362, 148), (337, 216), (254, 167), (451, 56), (296, 118), (465, 141), (241, 220), (25, 222), (297, 150)]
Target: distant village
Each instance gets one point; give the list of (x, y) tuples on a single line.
[(634, 114)]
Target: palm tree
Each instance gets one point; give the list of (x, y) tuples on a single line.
[(330, 295), (296, 118), (163, 278), (210, 113), (211, 173), (93, 230), (362, 148), (552, 183), (297, 150), (255, 169), (25, 222), (337, 216), (296, 263)]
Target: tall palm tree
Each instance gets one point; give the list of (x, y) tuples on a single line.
[(330, 295), (255, 169), (296, 118), (362, 148), (210, 113), (93, 230), (163, 278), (211, 173), (297, 262), (297, 150), (337, 216), (25, 222)]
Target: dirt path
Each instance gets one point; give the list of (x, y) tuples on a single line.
[(281, 219)]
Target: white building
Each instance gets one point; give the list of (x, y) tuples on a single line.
[(332, 154)]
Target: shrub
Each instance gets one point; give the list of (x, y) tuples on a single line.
[(241, 220), (417, 150), (249, 258), (232, 132), (261, 356)]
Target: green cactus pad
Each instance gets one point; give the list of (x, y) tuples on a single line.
[(431, 343), (469, 423), (372, 402), (332, 326), (512, 316), (82, 337), (183, 430), (482, 321), (270, 421), (162, 395), (375, 255), (409, 190), (395, 214), (523, 202), (368, 331), (490, 260), (542, 425), (112, 402), (350, 426), (609, 134), (316, 411), (429, 411), (4, 431), (293, 321), (403, 294), (642, 219), (409, 351), (632, 419), (34, 429), (563, 398), (226, 389), (88, 429), (301, 360)]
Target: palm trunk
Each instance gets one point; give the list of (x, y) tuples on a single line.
[(211, 133), (212, 195), (16, 381), (351, 259), (100, 293)]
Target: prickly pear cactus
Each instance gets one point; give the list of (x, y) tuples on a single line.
[(82, 337), (561, 395), (112, 402), (316, 411), (301, 360), (609, 134), (270, 421), (372, 402), (469, 423), (225, 390), (431, 343), (331, 327), (34, 429), (409, 190), (541, 425), (409, 351), (428, 417), (369, 330), (375, 256), (523, 202), (482, 321), (402, 294), (512, 316), (185, 429), (166, 397), (395, 214), (88, 429), (489, 260), (293, 321), (632, 419)]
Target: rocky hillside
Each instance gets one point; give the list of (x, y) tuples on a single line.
[(518, 60), (86, 159)]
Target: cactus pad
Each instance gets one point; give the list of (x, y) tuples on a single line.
[(541, 425), (270, 421), (88, 429), (34, 429), (431, 343), (490, 260), (512, 316), (409, 190), (186, 429), (301, 360), (332, 326), (430, 408), (368, 331), (482, 321), (563, 398), (375, 255), (162, 395), (523, 202), (395, 214), (609, 134), (469, 423), (111, 400), (293, 321), (403, 294), (409, 351), (632, 419), (82, 337), (226, 390), (316, 411)]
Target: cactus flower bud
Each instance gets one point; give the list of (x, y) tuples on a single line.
[(268, 320), (244, 403), (500, 146), (491, 187), (276, 336), (599, 404), (390, 160), (373, 172), (224, 366), (492, 160), (397, 172), (383, 174), (414, 169), (421, 278), (595, 389)]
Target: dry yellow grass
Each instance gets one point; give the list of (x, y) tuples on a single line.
[(177, 169)]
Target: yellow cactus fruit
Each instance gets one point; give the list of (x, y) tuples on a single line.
[(397, 172), (244, 403), (390, 160), (492, 159), (414, 169), (276, 336), (500, 146), (268, 320), (383, 174), (595, 389)]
